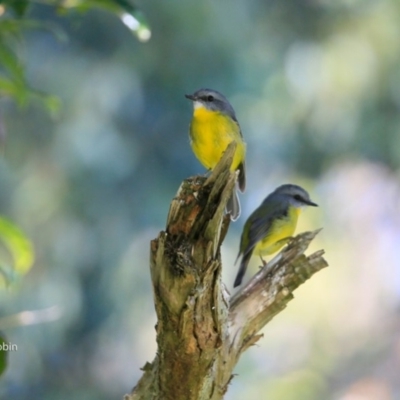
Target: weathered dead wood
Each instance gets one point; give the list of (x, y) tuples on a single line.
[(201, 331)]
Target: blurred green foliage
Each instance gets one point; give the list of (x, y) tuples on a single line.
[(3, 355), (12, 79), (316, 88), (19, 247)]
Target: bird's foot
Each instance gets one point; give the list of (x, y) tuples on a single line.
[(264, 263)]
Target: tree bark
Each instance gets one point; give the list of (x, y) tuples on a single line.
[(202, 330)]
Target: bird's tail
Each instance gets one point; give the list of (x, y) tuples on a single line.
[(242, 269), (233, 206)]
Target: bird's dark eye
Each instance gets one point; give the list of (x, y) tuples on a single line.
[(297, 197), (210, 98)]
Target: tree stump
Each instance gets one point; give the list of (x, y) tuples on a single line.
[(202, 330)]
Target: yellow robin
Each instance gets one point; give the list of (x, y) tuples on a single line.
[(271, 225), (213, 127)]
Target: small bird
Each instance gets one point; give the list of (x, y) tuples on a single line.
[(213, 127), (271, 225)]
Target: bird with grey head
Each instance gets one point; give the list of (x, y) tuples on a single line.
[(213, 127), (271, 225)]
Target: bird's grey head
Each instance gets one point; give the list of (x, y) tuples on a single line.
[(296, 195), (211, 100)]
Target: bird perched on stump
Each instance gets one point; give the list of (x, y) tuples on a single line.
[(213, 127), (271, 225)]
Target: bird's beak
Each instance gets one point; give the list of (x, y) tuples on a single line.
[(190, 97), (311, 203)]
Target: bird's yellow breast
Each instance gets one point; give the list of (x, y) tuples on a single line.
[(210, 134), (279, 233)]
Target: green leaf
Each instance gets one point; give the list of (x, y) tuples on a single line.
[(10, 62), (132, 18), (20, 248), (137, 23), (3, 354)]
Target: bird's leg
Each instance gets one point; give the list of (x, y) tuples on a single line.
[(264, 263)]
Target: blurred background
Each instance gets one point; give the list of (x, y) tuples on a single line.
[(316, 89)]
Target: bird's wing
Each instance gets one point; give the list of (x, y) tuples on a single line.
[(242, 165), (259, 223), (242, 176)]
